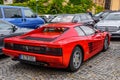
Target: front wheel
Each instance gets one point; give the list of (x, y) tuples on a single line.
[(106, 43), (75, 60)]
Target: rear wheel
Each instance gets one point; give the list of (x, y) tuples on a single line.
[(106, 43), (75, 60)]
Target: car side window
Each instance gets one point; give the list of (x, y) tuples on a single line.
[(0, 13), (88, 30), (12, 12), (89, 17), (83, 17), (28, 13), (76, 18), (79, 31)]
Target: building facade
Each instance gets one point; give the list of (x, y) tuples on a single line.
[(115, 5), (108, 4), (99, 2), (8, 1)]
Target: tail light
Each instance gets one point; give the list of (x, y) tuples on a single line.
[(35, 49), (8, 45), (54, 51)]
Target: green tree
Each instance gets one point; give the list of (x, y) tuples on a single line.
[(86, 4), (56, 6), (98, 9), (20, 1), (1, 1)]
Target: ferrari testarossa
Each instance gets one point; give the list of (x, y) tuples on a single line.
[(58, 45)]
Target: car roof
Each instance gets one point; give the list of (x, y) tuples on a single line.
[(115, 12), (72, 14), (12, 6), (62, 24)]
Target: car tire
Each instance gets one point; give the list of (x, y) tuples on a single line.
[(75, 60), (106, 43)]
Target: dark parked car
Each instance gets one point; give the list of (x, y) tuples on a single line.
[(8, 30), (79, 18)]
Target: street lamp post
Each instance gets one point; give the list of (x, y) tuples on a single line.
[(36, 7)]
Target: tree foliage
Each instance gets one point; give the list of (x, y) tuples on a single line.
[(21, 1), (98, 9), (1, 1), (56, 6)]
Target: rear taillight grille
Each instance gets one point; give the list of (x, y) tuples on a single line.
[(34, 49)]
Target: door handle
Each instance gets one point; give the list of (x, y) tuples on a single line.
[(23, 20)]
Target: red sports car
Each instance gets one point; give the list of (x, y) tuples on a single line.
[(60, 45)]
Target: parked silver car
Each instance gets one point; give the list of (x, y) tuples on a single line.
[(9, 30), (84, 18), (110, 23)]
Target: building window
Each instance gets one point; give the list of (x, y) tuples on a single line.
[(107, 4)]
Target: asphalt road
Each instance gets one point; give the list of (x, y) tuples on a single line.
[(103, 66)]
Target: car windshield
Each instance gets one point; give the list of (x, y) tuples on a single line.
[(112, 17), (54, 29), (98, 14), (63, 18)]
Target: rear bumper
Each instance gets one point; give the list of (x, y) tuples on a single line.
[(1, 50), (53, 61)]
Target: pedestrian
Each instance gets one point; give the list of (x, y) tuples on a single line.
[(89, 12)]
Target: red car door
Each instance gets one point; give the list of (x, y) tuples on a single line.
[(95, 43)]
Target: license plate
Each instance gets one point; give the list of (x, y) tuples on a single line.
[(28, 58)]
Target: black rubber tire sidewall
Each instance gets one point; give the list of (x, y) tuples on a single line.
[(71, 68)]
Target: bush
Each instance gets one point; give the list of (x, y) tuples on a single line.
[(19, 4), (56, 7), (98, 9), (1, 1)]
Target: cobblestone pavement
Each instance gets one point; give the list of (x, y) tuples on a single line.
[(104, 66)]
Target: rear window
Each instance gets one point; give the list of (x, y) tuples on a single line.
[(54, 29), (63, 18), (83, 17)]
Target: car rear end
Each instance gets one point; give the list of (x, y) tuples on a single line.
[(43, 54), (39, 47)]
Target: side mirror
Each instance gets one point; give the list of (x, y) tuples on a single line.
[(14, 28)]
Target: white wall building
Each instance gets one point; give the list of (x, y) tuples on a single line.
[(8, 1)]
